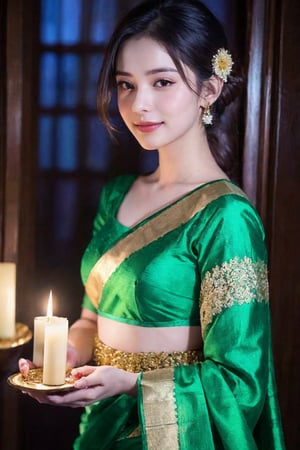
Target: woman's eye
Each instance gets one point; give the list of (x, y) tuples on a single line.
[(163, 83), (125, 85)]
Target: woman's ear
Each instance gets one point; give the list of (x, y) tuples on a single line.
[(210, 91)]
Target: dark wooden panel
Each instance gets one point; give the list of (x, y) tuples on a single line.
[(254, 49), (13, 128), (283, 217), (10, 188), (271, 174)]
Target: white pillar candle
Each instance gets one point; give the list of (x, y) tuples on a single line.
[(38, 341), (55, 351), (39, 334), (7, 300)]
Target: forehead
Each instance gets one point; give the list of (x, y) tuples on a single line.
[(143, 52)]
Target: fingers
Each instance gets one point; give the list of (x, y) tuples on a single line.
[(77, 398), (84, 371), (87, 382), (24, 366), (90, 376), (82, 383), (87, 376)]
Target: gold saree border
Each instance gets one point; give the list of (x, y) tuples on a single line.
[(159, 407), (179, 212)]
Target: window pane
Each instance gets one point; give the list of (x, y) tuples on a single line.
[(99, 154), (103, 19), (50, 21), (45, 142), (48, 80), (67, 143), (93, 66), (59, 80), (68, 76), (68, 134), (70, 26), (60, 21)]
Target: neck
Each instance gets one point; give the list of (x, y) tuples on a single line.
[(189, 164)]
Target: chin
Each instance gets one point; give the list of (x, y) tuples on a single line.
[(149, 149), (146, 145)]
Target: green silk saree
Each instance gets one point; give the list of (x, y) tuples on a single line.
[(200, 261)]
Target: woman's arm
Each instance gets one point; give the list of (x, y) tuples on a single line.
[(81, 339)]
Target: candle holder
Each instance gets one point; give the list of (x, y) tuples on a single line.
[(22, 336), (34, 382), (10, 348)]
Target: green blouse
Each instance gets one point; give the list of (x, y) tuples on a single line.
[(168, 259)]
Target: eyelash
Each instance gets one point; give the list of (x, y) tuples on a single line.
[(164, 83), (125, 85), (161, 83)]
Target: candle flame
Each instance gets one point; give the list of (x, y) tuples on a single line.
[(50, 307)]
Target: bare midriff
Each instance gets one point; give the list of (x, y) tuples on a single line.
[(132, 338)]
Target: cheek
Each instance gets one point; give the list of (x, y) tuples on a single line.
[(120, 104), (179, 102), (123, 108)]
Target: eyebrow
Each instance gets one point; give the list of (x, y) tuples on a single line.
[(148, 72)]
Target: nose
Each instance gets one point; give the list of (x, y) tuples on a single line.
[(142, 100)]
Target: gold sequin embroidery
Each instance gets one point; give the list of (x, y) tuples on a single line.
[(237, 281), (142, 361)]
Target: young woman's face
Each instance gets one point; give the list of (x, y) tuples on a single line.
[(155, 103)]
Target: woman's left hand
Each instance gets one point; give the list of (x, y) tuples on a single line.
[(93, 383)]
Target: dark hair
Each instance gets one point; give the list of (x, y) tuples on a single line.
[(192, 36)]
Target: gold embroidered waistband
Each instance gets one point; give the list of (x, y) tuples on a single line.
[(142, 361)]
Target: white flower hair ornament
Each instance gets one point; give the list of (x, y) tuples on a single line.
[(222, 64)]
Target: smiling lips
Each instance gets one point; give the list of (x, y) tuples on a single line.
[(148, 127)]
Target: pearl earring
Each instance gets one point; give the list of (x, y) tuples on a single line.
[(207, 117)]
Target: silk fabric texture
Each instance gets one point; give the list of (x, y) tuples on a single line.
[(199, 261)]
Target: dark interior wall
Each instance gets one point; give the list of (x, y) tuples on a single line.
[(2, 114)]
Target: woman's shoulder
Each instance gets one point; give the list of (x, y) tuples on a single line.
[(228, 194), (228, 206)]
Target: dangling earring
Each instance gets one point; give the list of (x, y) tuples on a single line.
[(207, 117)]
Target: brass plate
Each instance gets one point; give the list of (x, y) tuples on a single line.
[(34, 382), (23, 335)]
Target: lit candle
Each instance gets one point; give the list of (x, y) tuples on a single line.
[(55, 350), (39, 334), (7, 300)]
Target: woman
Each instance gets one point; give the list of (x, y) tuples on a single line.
[(176, 271)]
